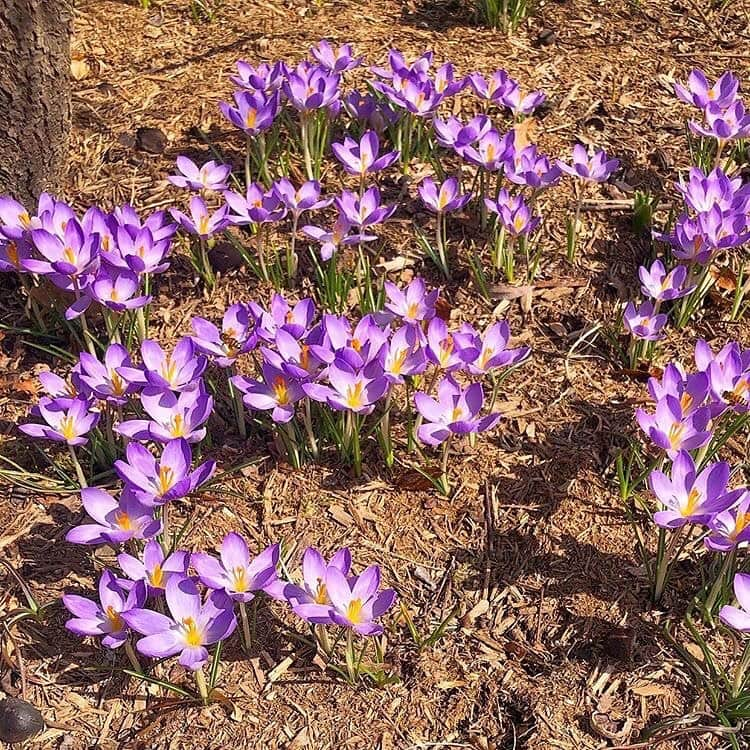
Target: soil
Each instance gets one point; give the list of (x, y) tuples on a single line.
[(555, 643)]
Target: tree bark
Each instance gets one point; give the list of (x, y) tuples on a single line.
[(34, 96)]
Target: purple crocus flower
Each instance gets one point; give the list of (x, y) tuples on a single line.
[(253, 113), (297, 201), (443, 198), (102, 378), (690, 390), (730, 529), (257, 206), (237, 335), (491, 151), (116, 521), (105, 617), (294, 320), (63, 390), (331, 240), (688, 240), (452, 133), (455, 411), (310, 601), (405, 354), (154, 568), (672, 430), (365, 211), (138, 250), (309, 87), (69, 261), (738, 617), (514, 212), (158, 482), (356, 603), (335, 60), (689, 496), (724, 124), (171, 415), (644, 322), (529, 167), (118, 290), (376, 113), (729, 379), (362, 158), (201, 222), (277, 392), (176, 371), (702, 192), (211, 176), (15, 220), (68, 421), (13, 254), (518, 104), (700, 93), (449, 351), (190, 626), (494, 88), (235, 572), (660, 285), (263, 77), (493, 349), (595, 168), (348, 389), (446, 82), (414, 304), (299, 361)]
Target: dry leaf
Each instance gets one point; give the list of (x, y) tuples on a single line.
[(79, 69), (525, 132)]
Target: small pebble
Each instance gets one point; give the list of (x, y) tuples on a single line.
[(19, 720), (150, 140)]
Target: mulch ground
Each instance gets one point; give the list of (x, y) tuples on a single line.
[(555, 643)]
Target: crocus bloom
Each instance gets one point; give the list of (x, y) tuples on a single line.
[(349, 390), (595, 168), (701, 94), (13, 253), (660, 285), (68, 421), (362, 158), (494, 88), (357, 603), (309, 87), (529, 167), (730, 529), (514, 213), (671, 430), (448, 351), (117, 521), (200, 221), (331, 240), (254, 111), (300, 361), (688, 496), (15, 220), (364, 211), (69, 261), (102, 378), (235, 572), (335, 60), (138, 250), (455, 411), (297, 201), (118, 291), (211, 176), (176, 371), (189, 627), (263, 77), (158, 482), (277, 392), (310, 601), (294, 320), (491, 151), (644, 322), (702, 192), (521, 105), (452, 133), (376, 113), (405, 354), (236, 337), (414, 304), (105, 617), (154, 568), (493, 350), (171, 416), (690, 390), (724, 124), (738, 617), (257, 206), (444, 198)]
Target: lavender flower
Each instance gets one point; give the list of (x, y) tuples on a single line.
[(644, 322), (595, 168), (154, 568), (253, 112), (738, 617), (117, 521), (493, 349), (365, 211), (331, 240), (444, 198), (310, 87), (730, 529), (335, 60), (349, 390), (190, 626), (236, 573), (700, 93), (201, 222), (211, 176), (362, 158), (68, 421), (672, 430), (117, 291), (277, 393), (660, 285), (105, 617), (724, 124), (236, 337), (102, 379), (413, 305), (455, 411), (177, 371)]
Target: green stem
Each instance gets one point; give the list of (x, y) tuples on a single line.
[(77, 465), (739, 674), (246, 637), (444, 482), (664, 560), (200, 681), (718, 585), (307, 421), (237, 404), (133, 658)]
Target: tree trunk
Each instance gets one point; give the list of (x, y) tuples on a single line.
[(34, 96)]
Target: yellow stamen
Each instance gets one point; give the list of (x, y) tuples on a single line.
[(192, 636), (250, 118), (321, 594), (354, 395), (356, 345), (354, 611), (280, 390), (675, 435), (156, 577), (304, 357), (686, 401), (118, 384), (412, 310), (123, 520), (240, 580), (446, 349), (490, 152), (398, 361), (177, 426), (203, 225), (692, 501), (114, 297), (24, 219), (457, 413), (115, 621), (67, 428), (168, 370), (69, 255), (166, 479)]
